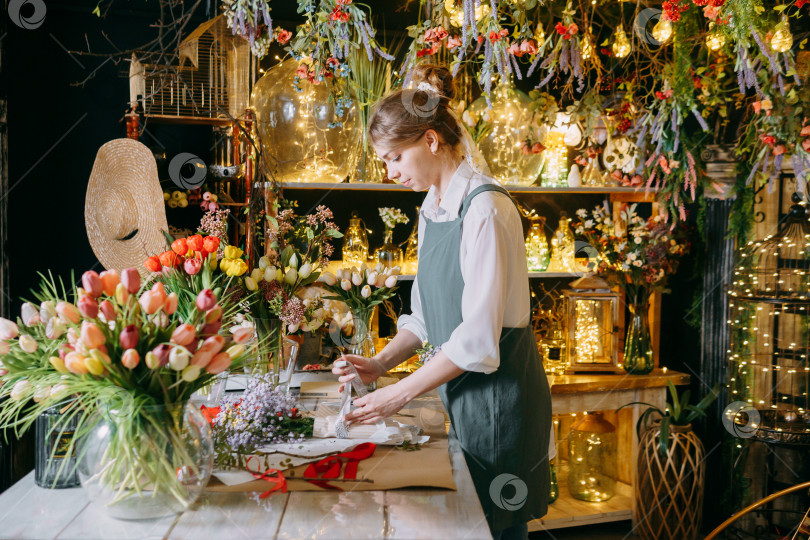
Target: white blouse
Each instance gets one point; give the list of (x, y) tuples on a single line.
[(493, 264)]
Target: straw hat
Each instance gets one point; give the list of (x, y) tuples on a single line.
[(124, 210)]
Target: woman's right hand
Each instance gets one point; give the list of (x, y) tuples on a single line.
[(369, 369)]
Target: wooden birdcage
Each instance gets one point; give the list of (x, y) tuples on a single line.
[(212, 77), (769, 302)]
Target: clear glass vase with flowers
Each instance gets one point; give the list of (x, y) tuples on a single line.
[(298, 248), (130, 362), (638, 255), (362, 289)]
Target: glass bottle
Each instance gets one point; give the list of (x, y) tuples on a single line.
[(555, 161), (355, 242), (592, 461), (592, 175), (55, 465), (562, 247), (537, 245), (389, 254), (412, 248), (555, 356), (638, 352)]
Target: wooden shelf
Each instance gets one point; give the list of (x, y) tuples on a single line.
[(608, 382), (335, 265), (373, 186), (567, 511)]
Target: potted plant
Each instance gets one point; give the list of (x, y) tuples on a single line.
[(670, 468)]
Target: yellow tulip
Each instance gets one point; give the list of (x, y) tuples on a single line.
[(58, 364), (224, 264), (233, 252), (93, 365)]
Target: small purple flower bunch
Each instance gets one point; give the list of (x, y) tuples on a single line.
[(264, 414)]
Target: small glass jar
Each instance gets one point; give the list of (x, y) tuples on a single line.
[(355, 242), (592, 463), (537, 246), (55, 465), (555, 356)]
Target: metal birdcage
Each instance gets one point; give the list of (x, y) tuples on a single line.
[(769, 320), (213, 76)]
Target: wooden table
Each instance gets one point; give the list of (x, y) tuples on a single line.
[(33, 513), (575, 394)]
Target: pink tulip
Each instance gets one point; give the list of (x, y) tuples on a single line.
[(131, 280), (170, 306), (8, 329), (75, 362), (219, 363), (183, 335), (4, 347), (162, 352), (110, 279), (29, 313), (108, 310), (202, 357), (64, 349), (151, 301), (92, 336), (214, 343), (214, 314), (92, 284), (193, 345), (130, 359), (206, 300), (159, 288), (211, 328), (192, 266), (128, 338), (88, 307), (243, 335), (67, 312)]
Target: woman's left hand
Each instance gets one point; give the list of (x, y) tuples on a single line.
[(377, 405)]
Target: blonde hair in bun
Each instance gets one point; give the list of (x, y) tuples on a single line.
[(402, 117)]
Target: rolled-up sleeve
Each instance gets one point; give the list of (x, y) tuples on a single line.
[(473, 345), (415, 322)]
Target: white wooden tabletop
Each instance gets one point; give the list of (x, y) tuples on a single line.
[(34, 513)]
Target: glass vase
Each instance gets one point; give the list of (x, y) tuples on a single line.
[(362, 343), (389, 254), (55, 465), (537, 246), (638, 351), (592, 462), (355, 242), (146, 461), (270, 332)]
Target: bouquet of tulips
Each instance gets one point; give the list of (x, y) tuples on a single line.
[(191, 266), (362, 289), (117, 345)]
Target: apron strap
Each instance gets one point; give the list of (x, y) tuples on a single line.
[(465, 205)]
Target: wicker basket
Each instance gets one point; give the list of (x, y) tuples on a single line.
[(669, 487)]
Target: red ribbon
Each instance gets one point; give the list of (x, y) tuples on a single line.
[(274, 476), (329, 467), (210, 413)]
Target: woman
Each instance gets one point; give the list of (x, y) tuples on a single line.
[(471, 300)]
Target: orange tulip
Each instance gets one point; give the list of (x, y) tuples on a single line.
[(151, 301), (183, 335), (92, 336), (130, 359), (195, 242), (75, 363), (110, 280), (219, 363), (152, 264), (170, 305), (210, 244), (180, 246), (68, 312)]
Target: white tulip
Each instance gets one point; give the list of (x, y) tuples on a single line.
[(8, 329), (345, 284), (357, 279), (30, 314), (305, 270), (365, 292), (42, 393), (329, 278), (294, 261), (59, 391), (396, 270), (279, 274), (56, 327), (28, 344), (270, 273), (20, 389), (256, 275), (47, 311), (264, 262), (178, 359), (291, 276), (391, 281), (372, 279), (363, 269), (251, 284)]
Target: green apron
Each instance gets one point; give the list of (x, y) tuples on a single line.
[(502, 420)]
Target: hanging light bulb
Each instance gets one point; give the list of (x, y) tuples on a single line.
[(782, 39), (621, 43), (715, 40), (662, 30), (456, 13)]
